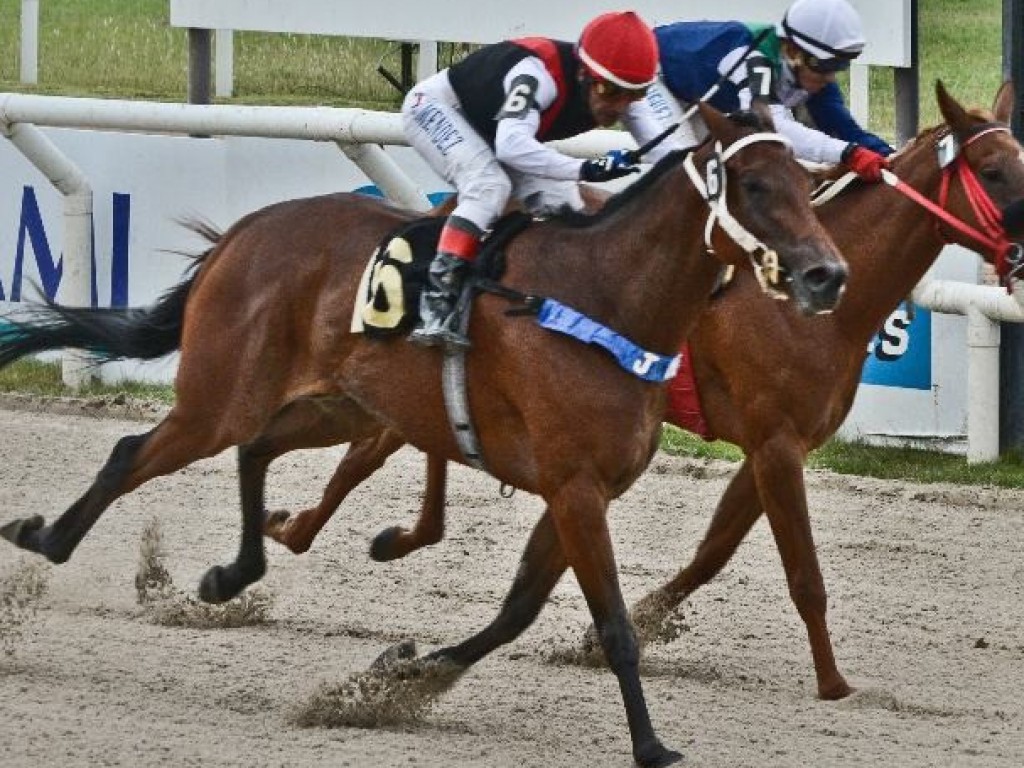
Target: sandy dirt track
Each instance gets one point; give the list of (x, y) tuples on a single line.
[(926, 587)]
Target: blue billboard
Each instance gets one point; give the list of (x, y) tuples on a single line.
[(900, 354)]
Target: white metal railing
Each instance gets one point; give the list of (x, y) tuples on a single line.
[(985, 307), (358, 133)]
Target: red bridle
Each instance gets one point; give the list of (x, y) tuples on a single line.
[(1008, 255)]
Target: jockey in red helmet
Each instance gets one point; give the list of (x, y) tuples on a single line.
[(482, 124)]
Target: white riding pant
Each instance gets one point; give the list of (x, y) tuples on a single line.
[(434, 125)]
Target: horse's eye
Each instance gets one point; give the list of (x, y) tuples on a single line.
[(753, 185), (991, 173)]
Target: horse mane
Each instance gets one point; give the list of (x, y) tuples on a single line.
[(980, 114), (580, 219)]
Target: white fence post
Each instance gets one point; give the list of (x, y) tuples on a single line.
[(860, 80), (72, 184), (426, 63), (30, 41), (982, 387), (224, 62)]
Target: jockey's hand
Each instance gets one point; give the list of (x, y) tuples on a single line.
[(614, 165), (865, 163)]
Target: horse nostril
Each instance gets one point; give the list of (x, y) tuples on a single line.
[(826, 281)]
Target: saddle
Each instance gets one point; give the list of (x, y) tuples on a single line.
[(388, 297)]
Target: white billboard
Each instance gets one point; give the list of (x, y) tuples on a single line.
[(886, 22)]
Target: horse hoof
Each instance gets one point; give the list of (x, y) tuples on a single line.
[(402, 651), (835, 692), (213, 587), (21, 532), (382, 548), (657, 756), (275, 519)]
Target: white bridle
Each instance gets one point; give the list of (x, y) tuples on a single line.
[(712, 187)]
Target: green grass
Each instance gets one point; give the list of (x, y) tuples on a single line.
[(34, 377), (855, 458), (127, 49)]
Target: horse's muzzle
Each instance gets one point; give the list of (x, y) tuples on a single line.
[(818, 289)]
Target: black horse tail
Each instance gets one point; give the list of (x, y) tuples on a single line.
[(116, 333)]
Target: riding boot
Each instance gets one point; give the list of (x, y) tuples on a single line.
[(438, 304)]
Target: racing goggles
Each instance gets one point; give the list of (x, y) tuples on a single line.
[(825, 66), (613, 92)]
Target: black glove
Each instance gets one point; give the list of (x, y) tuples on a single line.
[(614, 165)]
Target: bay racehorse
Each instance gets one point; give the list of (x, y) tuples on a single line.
[(269, 364), (774, 383)]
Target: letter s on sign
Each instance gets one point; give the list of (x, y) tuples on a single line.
[(894, 338)]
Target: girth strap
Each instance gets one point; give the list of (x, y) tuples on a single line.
[(453, 386)]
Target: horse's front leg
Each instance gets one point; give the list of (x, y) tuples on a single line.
[(736, 513), (579, 512), (364, 457), (540, 568), (779, 470)]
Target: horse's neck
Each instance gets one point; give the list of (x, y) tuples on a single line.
[(663, 275), (889, 242)]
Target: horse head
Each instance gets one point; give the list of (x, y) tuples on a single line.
[(983, 180), (760, 200)]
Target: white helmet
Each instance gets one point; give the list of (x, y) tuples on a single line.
[(828, 31)]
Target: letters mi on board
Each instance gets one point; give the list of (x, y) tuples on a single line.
[(900, 354)]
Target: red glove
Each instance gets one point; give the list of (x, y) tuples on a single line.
[(865, 163)]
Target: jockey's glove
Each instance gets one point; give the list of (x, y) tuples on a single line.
[(865, 163), (614, 165)]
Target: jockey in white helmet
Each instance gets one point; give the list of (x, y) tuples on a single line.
[(792, 65)]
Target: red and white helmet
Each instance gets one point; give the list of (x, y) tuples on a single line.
[(619, 48)]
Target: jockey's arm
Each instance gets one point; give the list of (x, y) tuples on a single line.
[(529, 89), (829, 112), (808, 143)]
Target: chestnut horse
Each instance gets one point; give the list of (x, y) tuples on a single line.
[(269, 364), (774, 383)]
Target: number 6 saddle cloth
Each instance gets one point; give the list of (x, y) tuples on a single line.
[(388, 298)]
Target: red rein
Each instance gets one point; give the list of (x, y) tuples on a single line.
[(992, 234)]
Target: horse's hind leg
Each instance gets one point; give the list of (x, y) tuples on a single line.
[(57, 541), (364, 457), (221, 583), (395, 542), (134, 460), (306, 423)]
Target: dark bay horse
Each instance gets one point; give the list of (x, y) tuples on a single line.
[(268, 364), (774, 383)]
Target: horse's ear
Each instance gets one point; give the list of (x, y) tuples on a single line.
[(718, 124), (1002, 107), (956, 116), (764, 113)]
